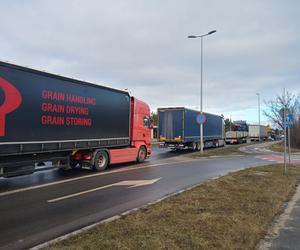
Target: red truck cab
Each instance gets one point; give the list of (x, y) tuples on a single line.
[(140, 135), (138, 150)]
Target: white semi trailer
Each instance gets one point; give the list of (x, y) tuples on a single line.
[(236, 137), (257, 132)]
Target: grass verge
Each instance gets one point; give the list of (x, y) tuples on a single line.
[(279, 147), (232, 212), (227, 150)]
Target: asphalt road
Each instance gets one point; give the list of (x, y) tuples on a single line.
[(48, 204), (49, 174)]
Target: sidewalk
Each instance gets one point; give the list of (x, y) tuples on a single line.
[(289, 234), (285, 233)]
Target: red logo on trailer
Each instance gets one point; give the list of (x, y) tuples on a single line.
[(12, 101)]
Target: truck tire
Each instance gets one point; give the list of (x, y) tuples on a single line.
[(141, 154), (73, 164), (198, 146), (100, 161), (194, 146)]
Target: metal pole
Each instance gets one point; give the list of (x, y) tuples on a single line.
[(289, 140), (259, 117), (284, 127), (258, 100), (201, 97)]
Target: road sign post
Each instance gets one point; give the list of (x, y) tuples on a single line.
[(290, 120), (201, 119), (284, 127), (289, 144)]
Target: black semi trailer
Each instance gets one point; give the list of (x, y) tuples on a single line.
[(43, 116)]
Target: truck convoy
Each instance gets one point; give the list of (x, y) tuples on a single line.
[(238, 134), (178, 129), (256, 132), (46, 117)]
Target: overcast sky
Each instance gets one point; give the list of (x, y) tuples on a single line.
[(142, 46)]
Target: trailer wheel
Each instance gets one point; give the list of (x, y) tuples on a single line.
[(141, 154), (198, 146), (73, 164), (100, 161), (194, 146)]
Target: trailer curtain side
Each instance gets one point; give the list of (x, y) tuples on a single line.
[(58, 113), (175, 123)]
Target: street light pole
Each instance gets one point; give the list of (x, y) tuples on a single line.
[(258, 96), (201, 85), (201, 98)]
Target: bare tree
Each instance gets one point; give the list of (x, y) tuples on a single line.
[(274, 110), (228, 125)]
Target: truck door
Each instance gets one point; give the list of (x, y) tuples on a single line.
[(168, 125)]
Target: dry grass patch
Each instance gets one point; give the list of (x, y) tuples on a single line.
[(227, 150), (232, 212), (279, 147)]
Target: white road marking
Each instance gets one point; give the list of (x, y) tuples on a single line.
[(90, 176), (131, 183)]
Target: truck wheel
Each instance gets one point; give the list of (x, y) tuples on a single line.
[(101, 161), (198, 146), (141, 154), (194, 146), (73, 164)]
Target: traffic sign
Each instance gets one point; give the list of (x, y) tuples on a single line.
[(201, 118), (290, 120), (290, 117)]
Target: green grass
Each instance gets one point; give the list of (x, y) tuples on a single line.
[(232, 212)]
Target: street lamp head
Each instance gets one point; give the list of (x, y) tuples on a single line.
[(257, 94), (211, 32), (192, 36)]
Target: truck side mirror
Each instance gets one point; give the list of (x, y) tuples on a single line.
[(151, 123)]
